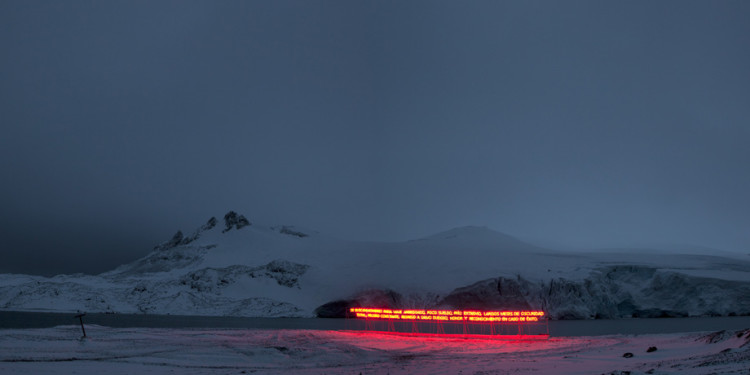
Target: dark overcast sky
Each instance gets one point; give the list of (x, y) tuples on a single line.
[(587, 123)]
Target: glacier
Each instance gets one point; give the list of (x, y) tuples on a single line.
[(242, 268)]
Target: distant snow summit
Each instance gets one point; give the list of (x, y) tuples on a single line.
[(237, 267)]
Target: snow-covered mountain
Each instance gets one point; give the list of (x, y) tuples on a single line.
[(235, 267)]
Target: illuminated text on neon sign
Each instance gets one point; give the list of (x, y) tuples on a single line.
[(447, 315)]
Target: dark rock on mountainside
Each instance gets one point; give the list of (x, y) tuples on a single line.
[(285, 273), (179, 239), (510, 293), (335, 309), (339, 308), (174, 242), (608, 293), (209, 224), (289, 230), (209, 279), (232, 219)]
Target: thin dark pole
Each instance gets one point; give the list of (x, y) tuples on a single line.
[(80, 319)]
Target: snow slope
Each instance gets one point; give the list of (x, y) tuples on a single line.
[(234, 267)]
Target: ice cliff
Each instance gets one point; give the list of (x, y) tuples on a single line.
[(249, 269)]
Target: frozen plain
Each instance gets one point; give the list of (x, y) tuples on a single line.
[(60, 350)]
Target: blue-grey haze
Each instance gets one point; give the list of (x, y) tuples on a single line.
[(586, 123)]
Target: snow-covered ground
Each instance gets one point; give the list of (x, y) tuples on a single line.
[(59, 350), (233, 267)]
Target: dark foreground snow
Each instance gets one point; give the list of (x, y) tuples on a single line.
[(195, 351)]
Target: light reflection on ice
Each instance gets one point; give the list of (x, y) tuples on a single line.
[(196, 351)]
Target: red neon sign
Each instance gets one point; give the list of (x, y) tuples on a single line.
[(448, 315)]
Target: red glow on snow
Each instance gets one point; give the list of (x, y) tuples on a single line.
[(448, 315), (519, 325)]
